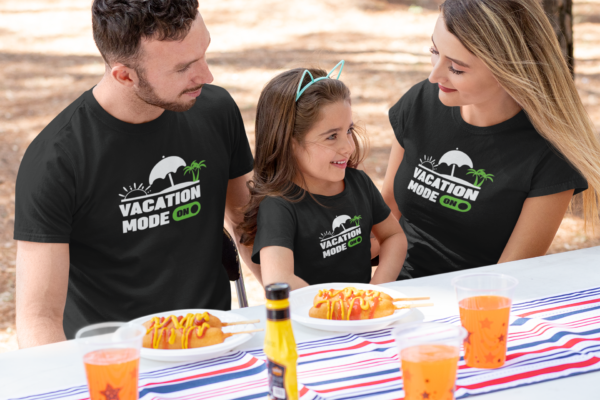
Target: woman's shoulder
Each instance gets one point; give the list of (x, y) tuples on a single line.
[(422, 92)]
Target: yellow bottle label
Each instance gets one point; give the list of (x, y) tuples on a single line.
[(280, 349)]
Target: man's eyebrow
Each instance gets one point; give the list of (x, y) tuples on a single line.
[(462, 64), (184, 65)]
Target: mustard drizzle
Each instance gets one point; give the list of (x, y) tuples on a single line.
[(187, 324), (364, 297)]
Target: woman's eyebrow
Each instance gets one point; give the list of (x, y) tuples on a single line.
[(462, 64)]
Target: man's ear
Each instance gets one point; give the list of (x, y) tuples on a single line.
[(124, 75)]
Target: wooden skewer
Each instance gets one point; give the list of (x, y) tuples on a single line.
[(414, 306), (250, 331), (254, 321), (410, 299)]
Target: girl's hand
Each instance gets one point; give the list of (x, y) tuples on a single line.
[(277, 265), (392, 251)]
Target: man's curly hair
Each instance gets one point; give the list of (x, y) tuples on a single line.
[(120, 25)]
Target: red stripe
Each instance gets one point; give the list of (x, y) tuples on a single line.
[(530, 374), (217, 372), (559, 307), (567, 345), (356, 346), (357, 385)]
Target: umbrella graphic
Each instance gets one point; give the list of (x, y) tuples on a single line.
[(166, 166), (339, 221), (456, 158)]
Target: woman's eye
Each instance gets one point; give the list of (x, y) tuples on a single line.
[(433, 51), (455, 71)]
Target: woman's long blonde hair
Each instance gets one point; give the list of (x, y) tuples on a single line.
[(516, 41)]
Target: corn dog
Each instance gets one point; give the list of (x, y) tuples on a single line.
[(354, 304), (190, 320)]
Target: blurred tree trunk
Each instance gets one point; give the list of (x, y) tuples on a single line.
[(560, 13)]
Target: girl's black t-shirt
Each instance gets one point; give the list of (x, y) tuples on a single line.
[(461, 188), (330, 240)]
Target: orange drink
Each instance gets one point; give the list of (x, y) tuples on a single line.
[(484, 301), (429, 371), (112, 374), (486, 320), (429, 354), (111, 356)]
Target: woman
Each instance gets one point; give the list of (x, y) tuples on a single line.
[(491, 149)]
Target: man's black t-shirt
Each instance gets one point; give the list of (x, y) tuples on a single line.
[(141, 206), (461, 188), (330, 240)]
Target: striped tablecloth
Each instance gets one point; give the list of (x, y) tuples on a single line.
[(549, 338)]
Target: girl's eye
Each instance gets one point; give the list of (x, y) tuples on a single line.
[(332, 137), (455, 71), (433, 51), (350, 131)]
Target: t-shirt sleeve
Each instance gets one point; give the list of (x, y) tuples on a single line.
[(241, 161), (553, 174), (276, 226), (379, 208), (45, 195), (400, 112)]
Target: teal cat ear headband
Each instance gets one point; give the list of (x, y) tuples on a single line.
[(313, 80)]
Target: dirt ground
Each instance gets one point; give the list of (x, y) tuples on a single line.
[(48, 58)]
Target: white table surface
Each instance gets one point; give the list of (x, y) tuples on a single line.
[(58, 366)]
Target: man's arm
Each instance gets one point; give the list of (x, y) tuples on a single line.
[(42, 281), (237, 198)]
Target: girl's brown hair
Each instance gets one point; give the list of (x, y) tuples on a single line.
[(281, 120), (515, 40)]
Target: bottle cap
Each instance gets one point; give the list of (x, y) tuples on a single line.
[(277, 291)]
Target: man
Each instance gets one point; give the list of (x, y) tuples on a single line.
[(120, 200)]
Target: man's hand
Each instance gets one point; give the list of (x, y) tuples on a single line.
[(237, 198), (42, 281)]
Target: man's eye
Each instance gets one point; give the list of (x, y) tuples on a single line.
[(185, 69)]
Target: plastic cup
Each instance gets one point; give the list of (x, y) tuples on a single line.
[(429, 354), (111, 355), (484, 301)]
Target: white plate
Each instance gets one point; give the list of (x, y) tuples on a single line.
[(301, 300), (200, 353)]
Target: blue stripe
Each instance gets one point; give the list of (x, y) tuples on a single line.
[(171, 388), (559, 316), (554, 338), (369, 375)]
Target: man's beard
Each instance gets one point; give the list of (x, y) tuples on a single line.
[(147, 94)]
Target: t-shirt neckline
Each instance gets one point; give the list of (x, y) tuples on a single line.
[(519, 121), (159, 124)]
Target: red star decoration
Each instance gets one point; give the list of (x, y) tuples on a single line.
[(501, 338), (134, 373), (489, 358), (111, 393), (468, 338), (406, 375), (425, 395), (486, 323)]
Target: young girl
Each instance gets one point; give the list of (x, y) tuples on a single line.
[(311, 212)]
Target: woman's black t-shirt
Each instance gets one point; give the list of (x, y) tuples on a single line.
[(461, 188), (330, 240)]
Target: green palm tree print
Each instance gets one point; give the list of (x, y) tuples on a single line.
[(480, 174), (194, 168), (356, 219)]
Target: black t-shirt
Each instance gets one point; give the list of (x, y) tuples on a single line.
[(331, 240), (461, 188), (141, 205)]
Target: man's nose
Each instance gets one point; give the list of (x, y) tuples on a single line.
[(203, 74)]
